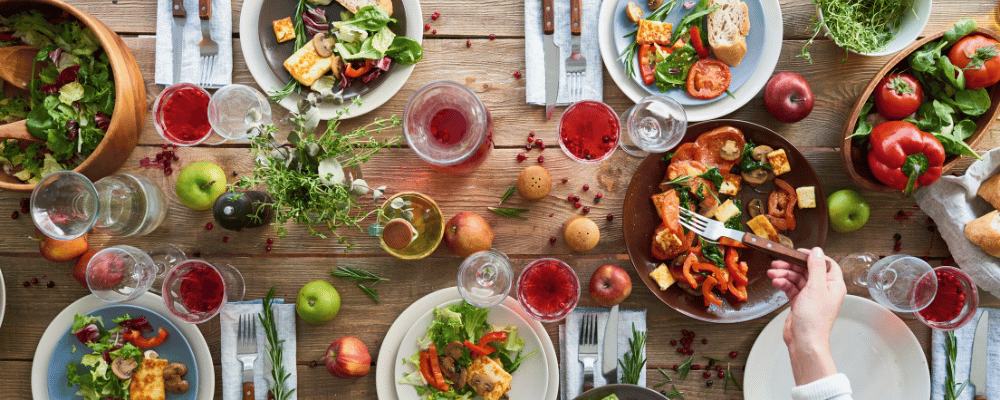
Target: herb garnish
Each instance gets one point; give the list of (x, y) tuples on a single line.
[(293, 84), (509, 212), (862, 26), (275, 350), (951, 389), (634, 361), (730, 377), (507, 194), (710, 250), (713, 175), (362, 277), (675, 392), (685, 368), (629, 53)]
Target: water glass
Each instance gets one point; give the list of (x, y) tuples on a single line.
[(447, 125), (235, 110), (654, 125), (902, 283), (64, 205), (130, 205), (195, 290), (484, 278), (120, 273)]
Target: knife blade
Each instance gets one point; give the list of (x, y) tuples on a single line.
[(609, 357), (177, 35), (551, 57), (978, 374)]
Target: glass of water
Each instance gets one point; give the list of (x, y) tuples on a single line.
[(898, 282), (235, 110), (484, 278), (120, 273), (654, 125)]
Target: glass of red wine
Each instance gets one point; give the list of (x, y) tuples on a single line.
[(447, 125), (195, 290), (548, 289), (955, 303), (589, 131)]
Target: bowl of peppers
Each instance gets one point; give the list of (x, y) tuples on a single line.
[(926, 108)]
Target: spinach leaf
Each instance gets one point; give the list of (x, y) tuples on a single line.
[(747, 162), (692, 19), (512, 365), (955, 146), (952, 74), (369, 18), (710, 250), (405, 51), (971, 102), (964, 129), (713, 175), (862, 129), (367, 51), (962, 27), (672, 72)]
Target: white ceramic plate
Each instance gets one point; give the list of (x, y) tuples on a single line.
[(772, 49), (532, 374), (3, 298), (871, 345), (268, 81), (43, 353), (385, 367)]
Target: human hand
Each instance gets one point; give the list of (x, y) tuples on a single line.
[(815, 294)]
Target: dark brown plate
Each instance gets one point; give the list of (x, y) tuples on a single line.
[(641, 220), (276, 53), (623, 391)]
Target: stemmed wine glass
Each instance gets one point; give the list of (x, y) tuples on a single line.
[(898, 282), (195, 290), (66, 204), (484, 278), (654, 125)]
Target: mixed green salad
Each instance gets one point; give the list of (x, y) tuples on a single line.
[(69, 104), (465, 324), (98, 380)]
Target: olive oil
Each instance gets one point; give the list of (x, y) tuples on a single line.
[(425, 217)]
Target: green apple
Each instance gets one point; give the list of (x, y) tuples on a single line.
[(317, 303), (848, 210), (199, 184)]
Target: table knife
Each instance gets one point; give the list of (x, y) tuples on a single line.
[(177, 35), (609, 357), (977, 376), (551, 57)]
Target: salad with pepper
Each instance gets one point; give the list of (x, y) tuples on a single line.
[(69, 104), (459, 339), (111, 351)]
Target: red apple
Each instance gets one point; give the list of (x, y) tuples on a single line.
[(348, 358), (609, 285), (80, 269), (788, 97), (467, 233)]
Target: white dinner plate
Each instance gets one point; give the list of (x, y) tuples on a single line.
[(532, 373), (269, 82), (385, 367), (871, 345), (85, 305), (3, 298), (701, 112)]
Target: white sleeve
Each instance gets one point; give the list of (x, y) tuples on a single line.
[(833, 387)]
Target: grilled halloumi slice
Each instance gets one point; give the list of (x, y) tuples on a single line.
[(492, 371), (651, 32), (306, 65), (147, 382)]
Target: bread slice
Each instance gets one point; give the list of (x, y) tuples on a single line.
[(728, 28), (985, 232), (990, 190), (306, 65), (354, 5)]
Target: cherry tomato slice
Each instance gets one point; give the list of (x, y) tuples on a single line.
[(699, 47), (708, 78)]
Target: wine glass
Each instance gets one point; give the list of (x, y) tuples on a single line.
[(654, 125), (548, 290), (898, 282), (447, 125), (65, 205), (484, 278), (235, 110), (120, 273), (165, 256), (195, 290)]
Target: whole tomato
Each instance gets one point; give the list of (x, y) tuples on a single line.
[(348, 358), (898, 95), (980, 51)]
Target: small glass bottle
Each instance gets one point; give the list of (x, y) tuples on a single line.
[(418, 213)]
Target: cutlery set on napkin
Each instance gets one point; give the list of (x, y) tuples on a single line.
[(977, 357), (235, 378), (562, 58), (194, 43), (590, 361)]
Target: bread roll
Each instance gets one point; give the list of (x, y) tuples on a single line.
[(728, 28), (985, 232), (990, 190)]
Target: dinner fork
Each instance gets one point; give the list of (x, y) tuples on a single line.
[(208, 48), (246, 351), (713, 230), (576, 64), (588, 348)]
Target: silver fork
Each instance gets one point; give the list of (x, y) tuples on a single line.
[(576, 65), (208, 48), (588, 348), (713, 230), (246, 351)]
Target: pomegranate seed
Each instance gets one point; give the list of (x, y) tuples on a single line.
[(527, 147), (313, 364), (586, 210), (208, 226), (610, 217), (521, 157), (530, 140), (435, 15), (684, 332), (552, 240), (493, 37), (541, 146), (721, 374), (570, 198), (733, 354), (517, 74), (51, 284), (551, 214), (564, 180), (606, 139), (468, 43), (427, 27), (689, 351), (14, 215), (267, 248), (675, 367), (718, 368), (541, 159), (434, 32), (704, 341), (695, 366), (168, 171), (270, 241), (576, 198), (225, 239), (26, 283), (539, 141), (577, 205), (680, 350), (34, 281), (531, 134), (163, 146), (586, 187), (706, 374), (599, 195)]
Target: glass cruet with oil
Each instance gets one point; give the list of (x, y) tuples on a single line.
[(410, 225)]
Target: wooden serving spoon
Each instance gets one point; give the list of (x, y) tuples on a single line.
[(16, 68), (18, 130)]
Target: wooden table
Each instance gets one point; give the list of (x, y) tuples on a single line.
[(488, 68)]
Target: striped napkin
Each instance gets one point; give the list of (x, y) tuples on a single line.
[(571, 373), (965, 339), (232, 368)]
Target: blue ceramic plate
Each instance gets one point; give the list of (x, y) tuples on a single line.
[(740, 74), (174, 349)]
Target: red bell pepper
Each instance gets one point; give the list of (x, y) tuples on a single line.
[(904, 157), (438, 378), (717, 273), (686, 270), (425, 367), (482, 350), (354, 73), (644, 66), (135, 337), (731, 242), (699, 47), (706, 291), (497, 336)]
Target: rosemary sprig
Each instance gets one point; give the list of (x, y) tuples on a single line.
[(685, 368), (674, 393), (300, 40), (630, 51), (634, 361), (679, 180), (361, 277), (275, 350), (951, 389), (371, 292), (509, 212), (507, 194), (730, 377)]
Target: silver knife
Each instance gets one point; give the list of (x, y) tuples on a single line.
[(177, 34), (551, 57), (978, 374), (609, 357)]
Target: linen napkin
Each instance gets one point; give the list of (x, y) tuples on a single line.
[(221, 28), (965, 340), (952, 202), (534, 53), (232, 368), (571, 373)]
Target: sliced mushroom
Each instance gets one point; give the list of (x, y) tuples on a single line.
[(654, 4), (755, 208), (760, 152), (757, 176), (786, 241), (323, 44), (454, 349), (480, 383), (173, 378), (123, 368), (730, 151), (452, 371)]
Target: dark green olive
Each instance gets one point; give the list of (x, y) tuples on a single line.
[(250, 209)]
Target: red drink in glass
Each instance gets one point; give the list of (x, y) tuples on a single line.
[(589, 131), (548, 289), (448, 127), (180, 114), (195, 290), (955, 302)]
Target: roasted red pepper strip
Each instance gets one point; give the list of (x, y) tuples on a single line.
[(688, 262), (350, 72), (717, 273), (731, 243), (706, 291), (425, 367), (142, 342), (781, 206), (497, 336), (482, 350), (699, 47), (644, 66), (438, 381), (904, 157), (739, 293), (732, 259)]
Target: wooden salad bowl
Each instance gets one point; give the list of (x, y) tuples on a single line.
[(130, 96), (856, 159)]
